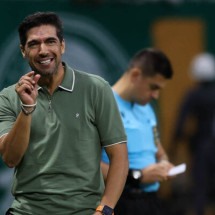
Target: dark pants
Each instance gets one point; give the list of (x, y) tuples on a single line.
[(134, 203), (203, 176)]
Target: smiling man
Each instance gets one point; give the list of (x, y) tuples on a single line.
[(53, 124)]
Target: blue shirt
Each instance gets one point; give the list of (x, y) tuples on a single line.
[(139, 123)]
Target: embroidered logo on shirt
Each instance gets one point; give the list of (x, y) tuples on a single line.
[(122, 114), (77, 115), (124, 118)]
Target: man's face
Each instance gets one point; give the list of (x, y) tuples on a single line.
[(148, 88), (43, 50)]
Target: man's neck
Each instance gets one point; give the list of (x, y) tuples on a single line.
[(121, 87), (53, 81)]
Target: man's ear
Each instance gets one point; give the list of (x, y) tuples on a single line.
[(136, 74), (22, 50), (63, 45)]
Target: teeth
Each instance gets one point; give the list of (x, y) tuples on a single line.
[(45, 61)]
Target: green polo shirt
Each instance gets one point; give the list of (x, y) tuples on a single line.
[(60, 171)]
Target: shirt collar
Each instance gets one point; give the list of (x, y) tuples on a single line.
[(123, 101), (68, 82)]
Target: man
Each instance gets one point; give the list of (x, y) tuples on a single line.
[(53, 123), (146, 75)]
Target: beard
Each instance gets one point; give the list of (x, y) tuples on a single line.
[(45, 72)]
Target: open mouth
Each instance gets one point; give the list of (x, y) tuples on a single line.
[(45, 62)]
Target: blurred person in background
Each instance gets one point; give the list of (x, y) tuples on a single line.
[(198, 109), (147, 74)]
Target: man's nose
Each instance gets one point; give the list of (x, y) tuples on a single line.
[(43, 48)]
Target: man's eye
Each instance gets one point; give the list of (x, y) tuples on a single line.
[(51, 42), (32, 45)]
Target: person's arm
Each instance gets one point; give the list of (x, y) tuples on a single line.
[(14, 144), (105, 168), (161, 153), (116, 175), (158, 171)]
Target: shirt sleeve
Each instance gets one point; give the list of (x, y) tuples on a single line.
[(7, 113), (108, 119)]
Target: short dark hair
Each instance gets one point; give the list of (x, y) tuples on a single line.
[(152, 61), (38, 19)]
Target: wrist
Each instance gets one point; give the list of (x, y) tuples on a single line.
[(105, 210), (134, 178), (28, 109), (164, 157), (163, 160), (27, 105)]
